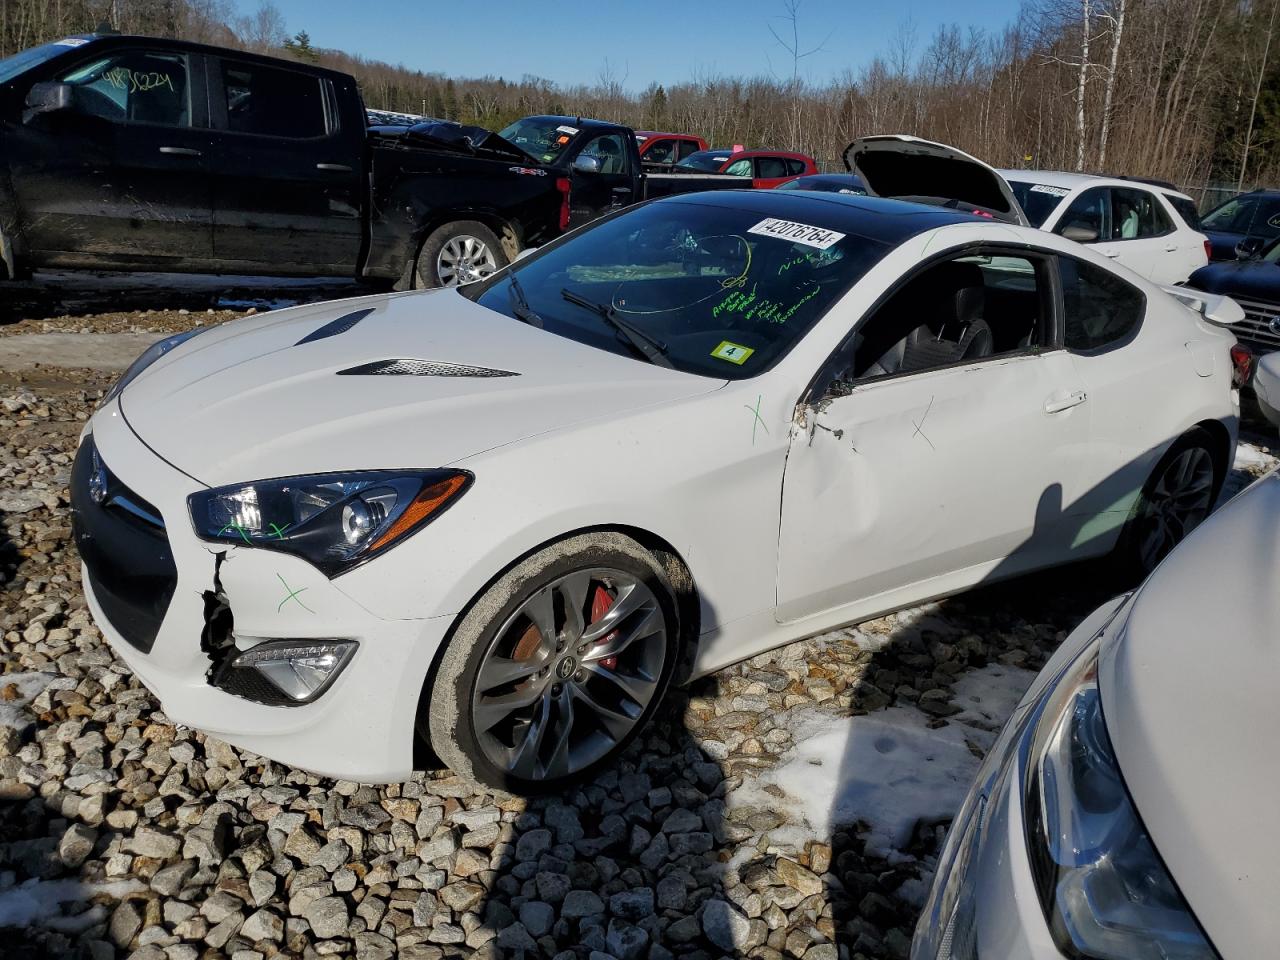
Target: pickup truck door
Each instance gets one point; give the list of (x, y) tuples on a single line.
[(287, 168), (593, 193), (120, 176)]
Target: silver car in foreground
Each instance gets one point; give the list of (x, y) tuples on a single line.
[(1127, 811)]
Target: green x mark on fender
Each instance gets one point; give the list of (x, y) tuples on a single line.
[(758, 421), (293, 595)]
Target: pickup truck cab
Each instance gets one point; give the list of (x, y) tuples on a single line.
[(659, 152), (766, 168), (128, 153)]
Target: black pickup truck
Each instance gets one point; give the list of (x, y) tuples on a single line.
[(135, 153)]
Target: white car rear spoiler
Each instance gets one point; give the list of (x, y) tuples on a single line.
[(1217, 308)]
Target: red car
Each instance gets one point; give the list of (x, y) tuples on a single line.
[(766, 168), (662, 150)]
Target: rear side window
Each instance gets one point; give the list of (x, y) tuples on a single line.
[(134, 86), (1100, 310), (1136, 214), (794, 167), (1186, 210), (771, 167), (273, 102)]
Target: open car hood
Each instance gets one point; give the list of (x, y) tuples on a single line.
[(447, 135), (907, 168)]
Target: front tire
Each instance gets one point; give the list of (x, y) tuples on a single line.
[(557, 667), (456, 254), (1180, 493)]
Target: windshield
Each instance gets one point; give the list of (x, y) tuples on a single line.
[(703, 161), (1233, 216), (542, 137), (1037, 200), (10, 67), (722, 291)]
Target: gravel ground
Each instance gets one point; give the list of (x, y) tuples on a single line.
[(123, 835)]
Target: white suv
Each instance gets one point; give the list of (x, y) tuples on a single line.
[(1141, 225)]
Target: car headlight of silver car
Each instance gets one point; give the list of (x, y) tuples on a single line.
[(147, 358), (332, 520), (1106, 893)]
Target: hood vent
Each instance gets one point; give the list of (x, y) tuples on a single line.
[(335, 327), (421, 368)]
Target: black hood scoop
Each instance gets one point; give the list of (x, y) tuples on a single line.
[(335, 327), (421, 368)]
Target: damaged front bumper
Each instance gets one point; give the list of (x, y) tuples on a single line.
[(182, 613)]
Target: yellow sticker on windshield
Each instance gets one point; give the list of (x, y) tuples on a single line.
[(733, 352)]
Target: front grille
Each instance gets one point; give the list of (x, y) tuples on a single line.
[(1260, 328), (126, 553)]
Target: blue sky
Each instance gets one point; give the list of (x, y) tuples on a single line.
[(568, 41)]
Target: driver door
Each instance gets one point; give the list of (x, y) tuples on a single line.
[(120, 177), (595, 193), (940, 450)]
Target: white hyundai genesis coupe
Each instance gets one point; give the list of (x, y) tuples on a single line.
[(500, 520)]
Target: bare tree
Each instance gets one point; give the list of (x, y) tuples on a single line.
[(1117, 33), (789, 40)]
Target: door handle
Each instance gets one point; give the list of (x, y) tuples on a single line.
[(1065, 403), (1113, 254), (335, 167), (181, 151), (1172, 249)]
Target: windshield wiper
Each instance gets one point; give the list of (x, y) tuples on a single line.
[(647, 345), (520, 304)]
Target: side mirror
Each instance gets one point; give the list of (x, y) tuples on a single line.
[(586, 164), (48, 97), (1080, 234), (1249, 248)]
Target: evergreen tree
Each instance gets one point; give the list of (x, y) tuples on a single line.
[(300, 48)]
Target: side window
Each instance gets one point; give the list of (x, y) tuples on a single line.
[(1234, 216), (1087, 213), (1099, 309), (795, 167), (661, 152), (1136, 214), (273, 102), (1267, 223), (957, 311), (1186, 210), (134, 86), (768, 167), (609, 150), (687, 148), (740, 168)]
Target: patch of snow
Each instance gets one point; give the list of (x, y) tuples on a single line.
[(39, 902), (1247, 455), (887, 770), (14, 713)]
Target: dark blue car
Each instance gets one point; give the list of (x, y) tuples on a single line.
[(828, 182), (1254, 215), (1255, 285)]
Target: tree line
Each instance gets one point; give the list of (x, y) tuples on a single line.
[(1183, 90)]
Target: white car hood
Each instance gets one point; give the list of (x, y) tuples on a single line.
[(247, 401), (1189, 694), (908, 168)]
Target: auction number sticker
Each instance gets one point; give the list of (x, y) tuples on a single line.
[(569, 130), (1052, 191), (817, 237), (71, 42), (733, 352)]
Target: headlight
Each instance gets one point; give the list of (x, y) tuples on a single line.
[(147, 358), (332, 520), (1106, 893)]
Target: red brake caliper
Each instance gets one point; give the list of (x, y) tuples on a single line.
[(600, 604)]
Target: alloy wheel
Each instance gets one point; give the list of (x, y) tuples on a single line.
[(569, 674), (1179, 500), (464, 259)]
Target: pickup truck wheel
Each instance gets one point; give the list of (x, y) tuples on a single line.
[(456, 254)]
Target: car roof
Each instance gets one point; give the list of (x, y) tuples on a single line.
[(665, 133), (887, 221), (1071, 180), (116, 40), (582, 123), (742, 154)]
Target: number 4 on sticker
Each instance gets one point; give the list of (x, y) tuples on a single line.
[(733, 352)]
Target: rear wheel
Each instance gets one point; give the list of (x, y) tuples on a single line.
[(557, 666), (456, 254), (1179, 495)]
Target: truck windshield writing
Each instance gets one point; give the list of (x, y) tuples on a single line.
[(541, 137)]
